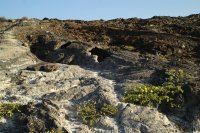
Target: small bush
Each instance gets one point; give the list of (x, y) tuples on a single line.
[(177, 77), (8, 109), (45, 18), (89, 113), (168, 92), (109, 110), (148, 95)]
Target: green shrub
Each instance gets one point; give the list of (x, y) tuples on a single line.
[(168, 92), (148, 95), (178, 77), (8, 109), (89, 113), (109, 110)]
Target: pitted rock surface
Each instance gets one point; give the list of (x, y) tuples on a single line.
[(51, 66)]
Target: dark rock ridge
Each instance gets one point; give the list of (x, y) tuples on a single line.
[(51, 66)]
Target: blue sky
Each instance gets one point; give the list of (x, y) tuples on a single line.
[(97, 9)]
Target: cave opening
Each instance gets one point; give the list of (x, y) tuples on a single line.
[(64, 46), (101, 54)]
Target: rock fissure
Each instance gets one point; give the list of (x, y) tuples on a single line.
[(63, 64)]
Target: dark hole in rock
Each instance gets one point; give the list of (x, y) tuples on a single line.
[(65, 45), (31, 68), (102, 54), (49, 68)]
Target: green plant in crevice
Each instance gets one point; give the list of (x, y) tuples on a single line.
[(168, 92), (177, 77), (8, 109), (173, 92), (148, 95), (109, 110), (89, 113)]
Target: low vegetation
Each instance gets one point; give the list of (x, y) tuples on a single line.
[(177, 77), (149, 95), (109, 110), (8, 109), (89, 113), (167, 93)]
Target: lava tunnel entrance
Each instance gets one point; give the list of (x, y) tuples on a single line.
[(64, 46), (102, 54)]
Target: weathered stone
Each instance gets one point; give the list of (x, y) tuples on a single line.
[(145, 119), (82, 61)]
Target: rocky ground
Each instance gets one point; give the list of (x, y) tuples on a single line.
[(51, 67)]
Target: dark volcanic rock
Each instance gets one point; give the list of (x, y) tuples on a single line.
[(79, 61)]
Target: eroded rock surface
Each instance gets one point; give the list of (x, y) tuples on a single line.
[(51, 66), (13, 54)]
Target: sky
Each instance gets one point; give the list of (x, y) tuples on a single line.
[(97, 9)]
